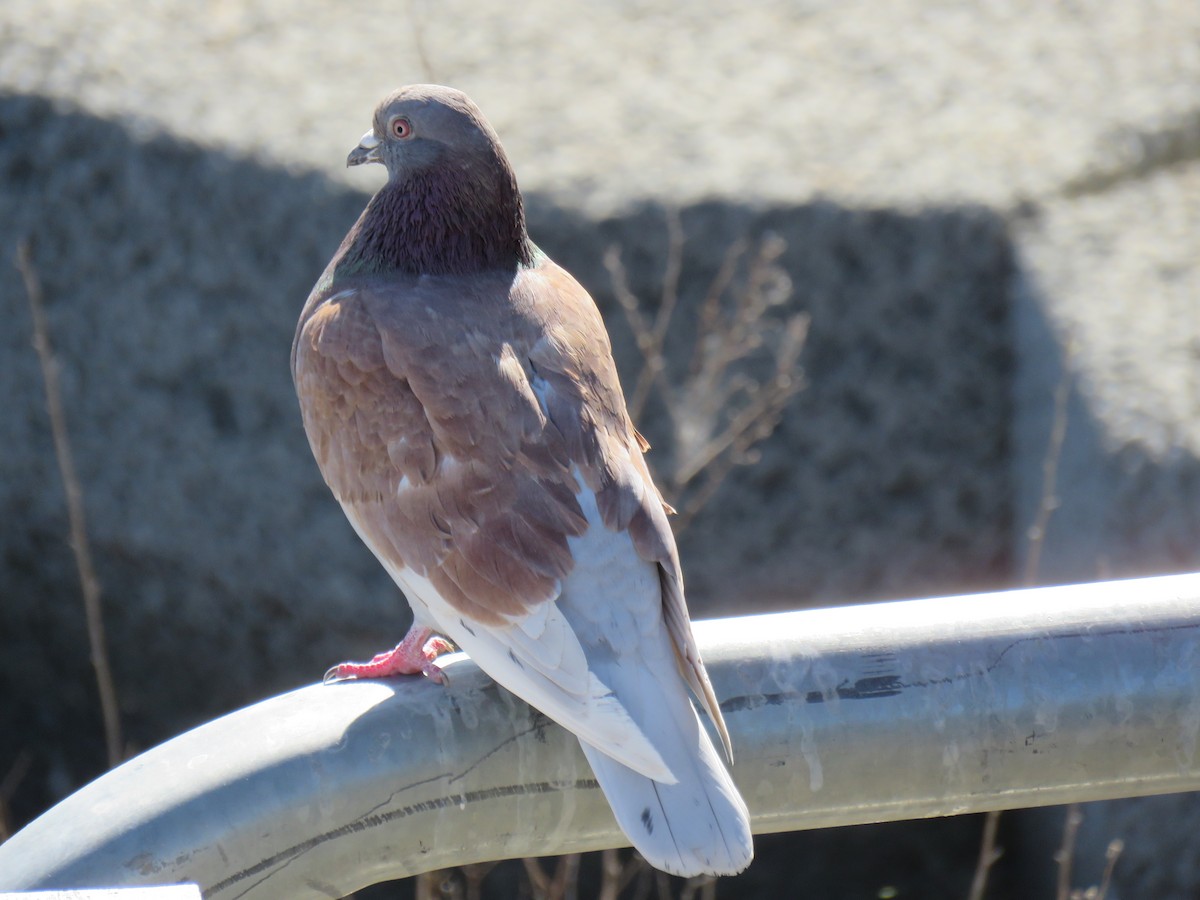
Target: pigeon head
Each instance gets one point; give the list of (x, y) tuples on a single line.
[(451, 203), (423, 126)]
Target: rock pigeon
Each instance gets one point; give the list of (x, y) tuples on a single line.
[(460, 396)]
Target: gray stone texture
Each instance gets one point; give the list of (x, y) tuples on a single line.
[(979, 204)]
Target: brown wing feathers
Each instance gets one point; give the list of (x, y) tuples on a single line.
[(458, 446)]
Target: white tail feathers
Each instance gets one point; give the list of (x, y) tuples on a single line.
[(695, 822), (698, 825)]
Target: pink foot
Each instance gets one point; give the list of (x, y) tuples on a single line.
[(414, 655)]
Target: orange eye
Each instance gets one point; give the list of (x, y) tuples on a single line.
[(401, 128)]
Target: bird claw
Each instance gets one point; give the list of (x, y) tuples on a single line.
[(415, 655), (335, 674)]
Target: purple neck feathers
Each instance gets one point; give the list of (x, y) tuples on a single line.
[(439, 222)]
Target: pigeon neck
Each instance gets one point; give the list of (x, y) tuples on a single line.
[(426, 225)]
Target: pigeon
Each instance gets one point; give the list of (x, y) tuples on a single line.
[(459, 394)]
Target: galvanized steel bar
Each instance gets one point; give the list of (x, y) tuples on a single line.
[(839, 716)]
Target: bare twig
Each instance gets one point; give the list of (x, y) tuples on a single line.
[(767, 401), (1049, 501), (754, 423), (720, 412), (645, 883), (706, 328), (615, 876), (652, 352), (79, 543), (701, 887), (8, 786), (565, 883), (1048, 504), (989, 853), (653, 363), (538, 879), (611, 871), (1066, 853), (473, 877), (1115, 847), (418, 35), (426, 886), (567, 876), (445, 884)]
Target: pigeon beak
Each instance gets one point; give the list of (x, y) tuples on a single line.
[(367, 151)]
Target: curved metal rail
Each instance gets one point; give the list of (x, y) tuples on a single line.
[(839, 716)]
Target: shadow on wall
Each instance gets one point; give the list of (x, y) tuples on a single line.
[(1122, 509), (173, 278)]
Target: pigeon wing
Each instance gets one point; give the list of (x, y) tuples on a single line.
[(418, 402)]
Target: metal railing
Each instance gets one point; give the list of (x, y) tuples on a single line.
[(839, 716)]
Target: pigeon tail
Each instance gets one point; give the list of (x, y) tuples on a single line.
[(698, 825)]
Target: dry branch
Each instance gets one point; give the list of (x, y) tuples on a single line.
[(89, 583), (719, 412), (1066, 853), (8, 786), (989, 854)]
